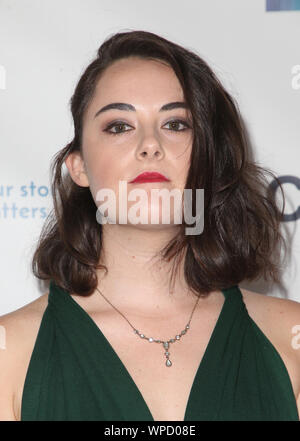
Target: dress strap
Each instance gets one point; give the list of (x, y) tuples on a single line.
[(232, 290)]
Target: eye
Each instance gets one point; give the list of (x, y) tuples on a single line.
[(119, 124), (175, 122)]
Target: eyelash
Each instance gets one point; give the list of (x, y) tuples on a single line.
[(121, 123)]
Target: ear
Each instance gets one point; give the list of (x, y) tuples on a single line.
[(75, 164)]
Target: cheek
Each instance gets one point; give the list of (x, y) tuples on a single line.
[(103, 174), (182, 165), (101, 178), (99, 165)]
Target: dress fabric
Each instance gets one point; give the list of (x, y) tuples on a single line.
[(75, 374)]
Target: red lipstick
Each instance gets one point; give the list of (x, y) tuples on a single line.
[(149, 177)]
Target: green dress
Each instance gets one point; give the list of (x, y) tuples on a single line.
[(75, 374)]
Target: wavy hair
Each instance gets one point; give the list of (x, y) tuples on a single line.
[(241, 239)]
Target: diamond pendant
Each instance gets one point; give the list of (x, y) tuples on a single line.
[(165, 343), (166, 346)]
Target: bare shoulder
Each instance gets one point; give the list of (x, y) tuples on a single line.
[(24, 320), (279, 319), (19, 331), (281, 314)]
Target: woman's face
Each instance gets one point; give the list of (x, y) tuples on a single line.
[(120, 143)]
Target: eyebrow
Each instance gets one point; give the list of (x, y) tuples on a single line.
[(130, 107)]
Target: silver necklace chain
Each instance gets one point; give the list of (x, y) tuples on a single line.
[(150, 339)]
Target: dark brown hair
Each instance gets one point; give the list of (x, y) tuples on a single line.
[(241, 239)]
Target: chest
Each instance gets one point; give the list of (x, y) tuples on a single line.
[(165, 390)]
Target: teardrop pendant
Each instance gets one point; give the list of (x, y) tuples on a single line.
[(168, 362)]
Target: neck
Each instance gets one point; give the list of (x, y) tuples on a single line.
[(137, 278)]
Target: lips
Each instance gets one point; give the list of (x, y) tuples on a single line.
[(150, 177)]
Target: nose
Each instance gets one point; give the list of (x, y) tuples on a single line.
[(150, 147), (150, 154)]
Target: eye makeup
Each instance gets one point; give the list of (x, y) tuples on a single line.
[(122, 123)]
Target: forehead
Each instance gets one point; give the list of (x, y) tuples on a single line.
[(137, 79)]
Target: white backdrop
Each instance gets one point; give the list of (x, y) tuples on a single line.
[(45, 46)]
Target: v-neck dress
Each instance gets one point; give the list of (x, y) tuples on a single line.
[(75, 374)]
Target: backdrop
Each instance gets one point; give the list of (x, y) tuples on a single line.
[(253, 47)]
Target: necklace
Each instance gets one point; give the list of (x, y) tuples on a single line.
[(150, 339)]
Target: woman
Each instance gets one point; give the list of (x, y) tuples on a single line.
[(216, 352)]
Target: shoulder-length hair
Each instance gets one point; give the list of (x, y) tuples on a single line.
[(241, 239)]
